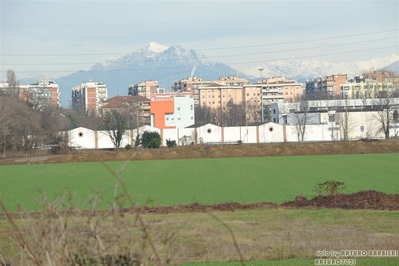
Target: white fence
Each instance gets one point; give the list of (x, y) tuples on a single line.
[(266, 133)]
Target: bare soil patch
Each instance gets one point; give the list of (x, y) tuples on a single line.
[(214, 151)]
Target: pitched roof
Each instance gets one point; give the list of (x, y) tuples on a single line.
[(125, 99)]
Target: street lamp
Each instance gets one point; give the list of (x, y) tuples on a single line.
[(261, 90)]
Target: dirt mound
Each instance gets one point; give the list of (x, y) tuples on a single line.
[(370, 200), (367, 200)]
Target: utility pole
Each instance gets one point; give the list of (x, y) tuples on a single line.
[(261, 91)]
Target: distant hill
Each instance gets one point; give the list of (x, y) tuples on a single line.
[(393, 67)]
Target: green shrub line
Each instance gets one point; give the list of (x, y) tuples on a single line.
[(207, 181)]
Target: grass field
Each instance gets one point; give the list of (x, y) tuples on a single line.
[(208, 181)]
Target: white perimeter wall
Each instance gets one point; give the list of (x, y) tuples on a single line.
[(267, 133)]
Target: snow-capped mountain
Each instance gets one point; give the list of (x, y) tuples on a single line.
[(169, 63), (151, 62), (306, 69)]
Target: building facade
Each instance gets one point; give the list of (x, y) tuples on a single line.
[(383, 76), (138, 105), (172, 111), (143, 89), (362, 88), (329, 86), (41, 93), (218, 95), (88, 96)]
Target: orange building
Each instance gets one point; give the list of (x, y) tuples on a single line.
[(172, 111), (161, 106)]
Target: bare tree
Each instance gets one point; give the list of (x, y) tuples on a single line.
[(385, 105), (50, 123), (254, 112), (7, 119), (346, 122), (204, 115), (115, 123), (300, 119), (26, 131), (13, 84)]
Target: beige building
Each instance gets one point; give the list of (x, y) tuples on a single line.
[(190, 83), (233, 80), (217, 95), (144, 89), (361, 88), (281, 89)]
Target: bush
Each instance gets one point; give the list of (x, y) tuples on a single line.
[(171, 143), (151, 140), (329, 188), (128, 147)]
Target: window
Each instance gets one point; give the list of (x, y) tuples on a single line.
[(191, 107), (247, 94), (274, 111)]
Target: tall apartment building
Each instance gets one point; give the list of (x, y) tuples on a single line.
[(88, 96), (329, 85), (41, 93), (144, 88), (172, 111)]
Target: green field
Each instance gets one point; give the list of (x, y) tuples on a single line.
[(172, 182)]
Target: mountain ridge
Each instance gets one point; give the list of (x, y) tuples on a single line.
[(167, 64)]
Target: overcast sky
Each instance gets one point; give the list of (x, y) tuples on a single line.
[(61, 37)]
